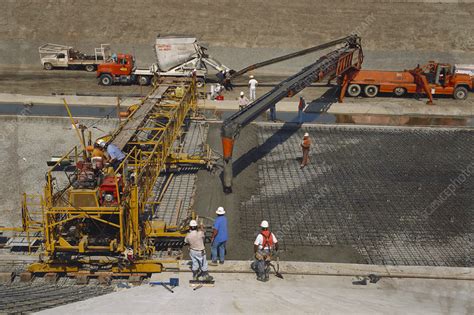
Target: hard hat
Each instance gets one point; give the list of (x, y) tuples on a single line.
[(241, 93), (264, 224), (251, 76), (193, 223), (220, 210), (101, 143), (306, 134)]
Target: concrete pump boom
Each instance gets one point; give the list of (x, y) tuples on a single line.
[(341, 63)]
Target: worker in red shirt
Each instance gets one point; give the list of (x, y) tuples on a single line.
[(305, 145), (301, 106)]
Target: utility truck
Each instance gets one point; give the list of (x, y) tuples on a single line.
[(432, 78), (176, 56), (66, 57)]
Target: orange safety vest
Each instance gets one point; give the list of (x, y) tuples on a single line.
[(267, 239), (306, 143)]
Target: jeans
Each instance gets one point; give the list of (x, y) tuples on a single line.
[(218, 249), (300, 116), (273, 115), (198, 258), (260, 263)]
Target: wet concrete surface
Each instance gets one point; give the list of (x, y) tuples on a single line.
[(370, 194)]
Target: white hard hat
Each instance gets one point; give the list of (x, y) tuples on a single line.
[(264, 224), (193, 223), (101, 143), (241, 93), (251, 76), (220, 210), (306, 134)]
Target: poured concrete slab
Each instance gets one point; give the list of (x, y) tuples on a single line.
[(241, 293)]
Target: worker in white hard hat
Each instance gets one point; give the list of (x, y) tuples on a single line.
[(219, 237), (264, 246), (305, 146), (252, 88), (243, 100), (197, 252)]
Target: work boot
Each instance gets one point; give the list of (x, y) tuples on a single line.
[(213, 263), (262, 279), (206, 276), (195, 274)]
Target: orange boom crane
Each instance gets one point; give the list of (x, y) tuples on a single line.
[(340, 63)]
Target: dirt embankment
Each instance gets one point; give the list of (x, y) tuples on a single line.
[(242, 32)]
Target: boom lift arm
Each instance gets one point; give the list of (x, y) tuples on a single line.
[(341, 62), (291, 56)]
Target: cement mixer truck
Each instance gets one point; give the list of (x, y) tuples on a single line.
[(176, 56)]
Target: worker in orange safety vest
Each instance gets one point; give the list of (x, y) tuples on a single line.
[(264, 246), (305, 145)]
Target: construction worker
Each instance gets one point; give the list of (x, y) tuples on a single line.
[(219, 237), (252, 88), (243, 100), (197, 252), (305, 145), (116, 156), (264, 246), (227, 82), (98, 157), (301, 106), (221, 77), (273, 115)]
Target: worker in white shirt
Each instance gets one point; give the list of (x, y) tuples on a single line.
[(243, 101), (195, 240), (264, 245), (253, 88)]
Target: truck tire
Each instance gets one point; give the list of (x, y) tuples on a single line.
[(89, 68), (354, 90), (144, 80), (399, 91), (200, 82), (106, 79), (460, 93), (48, 66), (371, 90)]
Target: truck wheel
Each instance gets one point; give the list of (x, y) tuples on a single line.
[(90, 68), (354, 90), (399, 91), (48, 66), (200, 82), (460, 93), (106, 79), (371, 90), (144, 80)]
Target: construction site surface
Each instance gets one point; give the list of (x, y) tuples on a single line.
[(379, 221)]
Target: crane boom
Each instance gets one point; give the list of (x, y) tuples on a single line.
[(339, 63), (291, 55)]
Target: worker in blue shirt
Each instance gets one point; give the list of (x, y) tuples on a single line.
[(219, 237), (116, 156)]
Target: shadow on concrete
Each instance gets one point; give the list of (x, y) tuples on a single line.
[(258, 152), (324, 102)]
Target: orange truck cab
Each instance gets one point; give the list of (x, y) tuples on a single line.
[(440, 77), (119, 70)]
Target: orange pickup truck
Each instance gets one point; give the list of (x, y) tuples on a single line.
[(440, 80)]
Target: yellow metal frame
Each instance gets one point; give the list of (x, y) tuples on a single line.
[(146, 158)]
